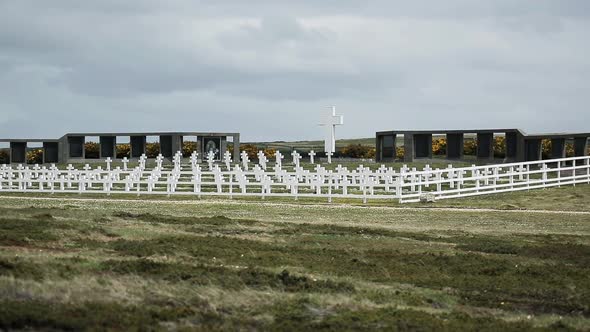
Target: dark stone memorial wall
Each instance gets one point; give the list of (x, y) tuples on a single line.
[(166, 146), (50, 152), (18, 152), (532, 149), (580, 146), (76, 144), (455, 146), (108, 146), (137, 146), (485, 145), (557, 148), (423, 146)]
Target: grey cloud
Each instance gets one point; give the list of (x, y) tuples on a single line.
[(69, 65)]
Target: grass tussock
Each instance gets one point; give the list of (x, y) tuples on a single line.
[(320, 270)]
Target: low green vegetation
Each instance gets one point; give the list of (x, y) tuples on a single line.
[(72, 264)]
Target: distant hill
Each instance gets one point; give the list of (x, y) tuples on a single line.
[(317, 146), (311, 145)]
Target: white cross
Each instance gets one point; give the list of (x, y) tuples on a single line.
[(296, 157), (245, 160), (142, 160), (329, 154), (194, 159), (125, 162), (330, 122), (108, 161), (486, 171), (210, 159), (279, 159), (544, 170), (262, 159), (37, 169), (427, 169), (159, 160), (177, 160), (520, 169), (260, 154), (227, 160), (311, 156)]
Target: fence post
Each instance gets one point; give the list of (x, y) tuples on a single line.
[(544, 175), (330, 187), (138, 186), (231, 186), (364, 193), (528, 175), (574, 172), (399, 191), (559, 173)]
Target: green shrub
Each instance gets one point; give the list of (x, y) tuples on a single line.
[(188, 147), (470, 147), (252, 151), (152, 150), (92, 150), (123, 150), (357, 151), (400, 151), (4, 157), (35, 156), (439, 146), (546, 148), (500, 147)]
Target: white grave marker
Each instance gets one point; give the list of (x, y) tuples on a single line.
[(311, 156)]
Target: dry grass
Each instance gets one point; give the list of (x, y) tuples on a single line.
[(209, 265)]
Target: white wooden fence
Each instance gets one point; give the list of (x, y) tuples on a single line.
[(489, 179), (403, 185)]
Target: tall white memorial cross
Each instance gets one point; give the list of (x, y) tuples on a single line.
[(330, 122)]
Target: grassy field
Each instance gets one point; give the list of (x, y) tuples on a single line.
[(519, 261), (312, 145), (319, 145)]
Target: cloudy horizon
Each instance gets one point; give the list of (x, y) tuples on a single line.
[(269, 69)]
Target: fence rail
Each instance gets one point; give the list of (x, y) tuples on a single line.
[(403, 185)]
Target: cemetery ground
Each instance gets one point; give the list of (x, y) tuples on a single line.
[(517, 261)]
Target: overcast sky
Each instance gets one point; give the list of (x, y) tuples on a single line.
[(269, 68)]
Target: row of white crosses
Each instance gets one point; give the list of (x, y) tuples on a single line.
[(86, 177), (387, 175), (383, 181)]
